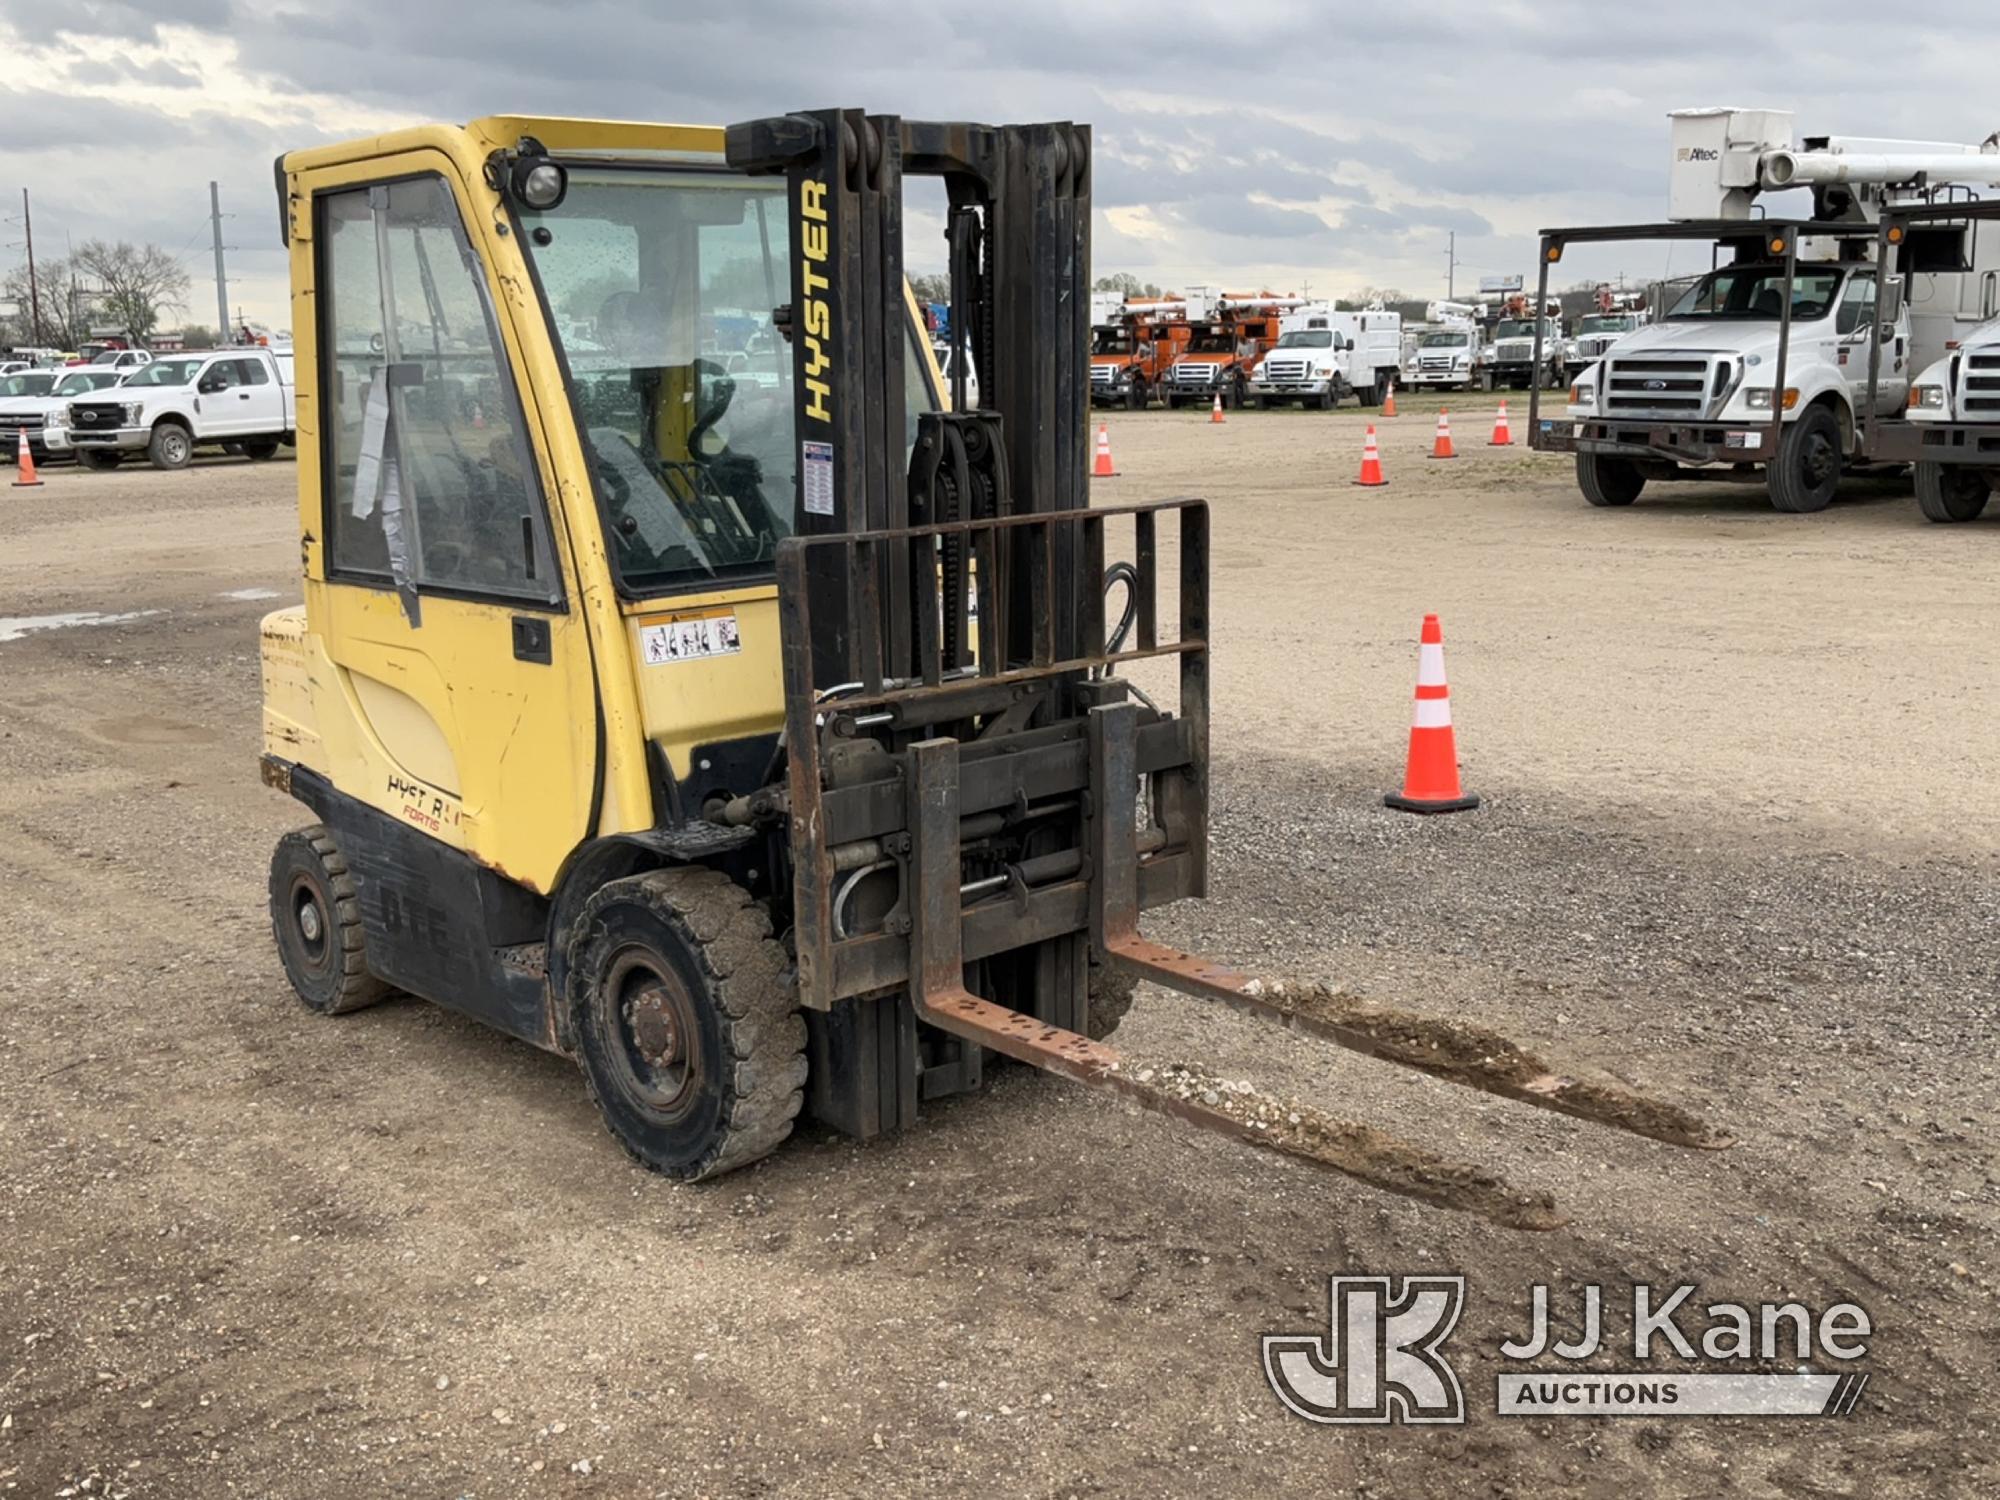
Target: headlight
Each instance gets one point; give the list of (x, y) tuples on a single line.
[(135, 413), (1462, 361), (1322, 371), (1758, 398), (1581, 395), (1928, 397)]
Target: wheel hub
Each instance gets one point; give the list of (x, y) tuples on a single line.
[(655, 1032)]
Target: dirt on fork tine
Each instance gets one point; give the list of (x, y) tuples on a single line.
[(1736, 847)]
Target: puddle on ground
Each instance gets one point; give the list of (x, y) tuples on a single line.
[(14, 627)]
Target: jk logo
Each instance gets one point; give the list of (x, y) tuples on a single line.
[(1379, 1361)]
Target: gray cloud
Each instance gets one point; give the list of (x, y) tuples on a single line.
[(1268, 141)]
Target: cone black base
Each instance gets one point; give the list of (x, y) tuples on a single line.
[(1418, 805)]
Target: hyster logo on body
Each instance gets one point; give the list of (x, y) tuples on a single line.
[(816, 318), (1379, 1362)]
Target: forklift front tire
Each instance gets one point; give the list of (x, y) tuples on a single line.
[(316, 919), (685, 1019)]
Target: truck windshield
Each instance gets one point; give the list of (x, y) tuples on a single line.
[(653, 278), (1212, 343), (1307, 338), (29, 383), (1110, 340), (166, 372), (1758, 291), (1442, 341), (82, 381), (1606, 323), (1515, 328)]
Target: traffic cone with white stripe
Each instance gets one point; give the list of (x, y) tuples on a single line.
[(25, 476), (1430, 776), (1501, 438), (1389, 401), (1442, 448), (1371, 463), (1215, 411), (1103, 469)]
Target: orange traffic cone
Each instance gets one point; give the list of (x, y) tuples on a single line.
[(1442, 448), (1430, 776), (24, 460), (1103, 469), (1389, 401), (1501, 438), (1371, 463), (1215, 412)]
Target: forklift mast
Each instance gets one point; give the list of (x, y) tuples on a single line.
[(942, 608)]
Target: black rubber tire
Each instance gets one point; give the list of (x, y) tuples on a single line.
[(1110, 995), (697, 943), (172, 446), (1607, 480), (259, 449), (1326, 400), (99, 459), (316, 921), (1951, 492), (1372, 393), (1806, 473)]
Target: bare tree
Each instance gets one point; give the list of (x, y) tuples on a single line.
[(63, 318), (135, 283)]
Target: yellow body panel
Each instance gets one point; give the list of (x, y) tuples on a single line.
[(439, 725)]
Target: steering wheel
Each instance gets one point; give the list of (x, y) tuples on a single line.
[(723, 388)]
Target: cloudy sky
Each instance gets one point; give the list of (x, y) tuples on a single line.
[(1295, 145)]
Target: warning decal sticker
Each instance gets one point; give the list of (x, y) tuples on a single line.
[(690, 637)]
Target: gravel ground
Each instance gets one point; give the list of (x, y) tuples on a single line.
[(1735, 843)]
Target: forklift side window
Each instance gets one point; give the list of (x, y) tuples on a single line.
[(430, 483)]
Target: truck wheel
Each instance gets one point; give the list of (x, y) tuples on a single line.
[(316, 919), (99, 458), (1326, 400), (1110, 996), (1605, 480), (1951, 492), (1250, 401), (259, 449), (171, 447), (685, 1019), (1806, 472), (1372, 393)]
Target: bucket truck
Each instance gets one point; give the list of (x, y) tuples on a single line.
[(1790, 358), (1446, 356), (1133, 343), (1229, 333), (1613, 315), (1324, 355)]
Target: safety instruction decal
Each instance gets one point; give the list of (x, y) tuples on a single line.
[(817, 468), (690, 637)]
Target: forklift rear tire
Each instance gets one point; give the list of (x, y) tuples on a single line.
[(1608, 481), (1951, 492), (685, 1019), (316, 919)]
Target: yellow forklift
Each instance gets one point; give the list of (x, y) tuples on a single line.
[(689, 686)]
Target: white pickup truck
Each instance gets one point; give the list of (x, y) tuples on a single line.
[(240, 400), (32, 400)]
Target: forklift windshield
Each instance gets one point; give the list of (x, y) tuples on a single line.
[(657, 281), (662, 286)]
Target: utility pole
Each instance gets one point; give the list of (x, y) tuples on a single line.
[(221, 281), (34, 289), (1451, 268)]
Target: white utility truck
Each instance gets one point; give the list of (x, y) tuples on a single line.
[(1525, 351), (239, 400), (1790, 359), (1446, 352), (1615, 314), (1324, 356)]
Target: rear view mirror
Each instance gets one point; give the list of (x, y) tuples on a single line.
[(1892, 299)]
